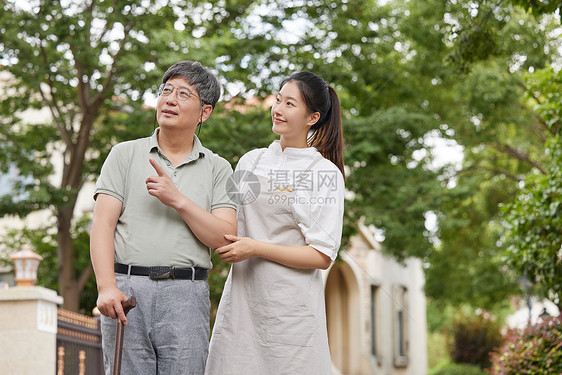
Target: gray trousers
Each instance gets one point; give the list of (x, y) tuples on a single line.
[(168, 330)]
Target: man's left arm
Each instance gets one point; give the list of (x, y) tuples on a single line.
[(208, 227)]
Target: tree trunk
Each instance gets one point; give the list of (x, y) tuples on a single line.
[(71, 285), (68, 284)]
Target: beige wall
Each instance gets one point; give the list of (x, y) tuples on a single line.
[(28, 327), (348, 304)]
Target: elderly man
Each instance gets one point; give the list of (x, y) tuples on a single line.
[(161, 203)]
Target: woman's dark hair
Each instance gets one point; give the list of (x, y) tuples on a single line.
[(327, 133)]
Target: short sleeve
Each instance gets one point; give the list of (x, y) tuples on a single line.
[(112, 176), (318, 210), (222, 172)]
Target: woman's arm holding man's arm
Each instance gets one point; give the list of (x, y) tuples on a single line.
[(304, 257)]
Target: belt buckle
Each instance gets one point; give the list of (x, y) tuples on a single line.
[(160, 272)]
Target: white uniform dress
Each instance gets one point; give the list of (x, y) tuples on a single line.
[(271, 318)]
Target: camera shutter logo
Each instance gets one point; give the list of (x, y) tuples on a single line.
[(243, 187)]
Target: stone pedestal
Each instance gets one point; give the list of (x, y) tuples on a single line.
[(28, 330)]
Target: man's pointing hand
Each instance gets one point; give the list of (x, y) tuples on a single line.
[(162, 186)]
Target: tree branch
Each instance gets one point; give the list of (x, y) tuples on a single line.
[(499, 171), (530, 92), (538, 129), (89, 109), (70, 171), (83, 86), (77, 162), (57, 114), (519, 155), (89, 16), (539, 119), (108, 82), (90, 7), (61, 126), (475, 166), (485, 17), (65, 134)]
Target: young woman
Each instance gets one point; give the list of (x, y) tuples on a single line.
[(271, 318)]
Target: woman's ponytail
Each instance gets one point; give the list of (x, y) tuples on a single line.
[(327, 136)]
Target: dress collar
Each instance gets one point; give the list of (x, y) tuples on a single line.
[(275, 146)]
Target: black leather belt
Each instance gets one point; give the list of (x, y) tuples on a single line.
[(163, 272)]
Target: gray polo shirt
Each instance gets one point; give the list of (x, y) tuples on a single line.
[(148, 232)]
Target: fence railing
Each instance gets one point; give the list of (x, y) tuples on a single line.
[(78, 344)]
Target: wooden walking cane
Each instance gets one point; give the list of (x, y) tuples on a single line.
[(127, 305)]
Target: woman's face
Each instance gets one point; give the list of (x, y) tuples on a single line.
[(291, 117)]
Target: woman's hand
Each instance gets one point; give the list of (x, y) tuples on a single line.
[(240, 249)]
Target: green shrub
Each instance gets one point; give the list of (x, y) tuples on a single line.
[(460, 369), (537, 350), (437, 350), (474, 338)]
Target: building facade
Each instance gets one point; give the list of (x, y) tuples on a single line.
[(376, 313)]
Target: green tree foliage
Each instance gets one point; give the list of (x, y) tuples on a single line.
[(481, 28), (533, 221), (538, 7), (537, 350), (534, 218), (89, 64), (504, 140)]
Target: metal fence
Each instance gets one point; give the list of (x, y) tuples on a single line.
[(78, 344)]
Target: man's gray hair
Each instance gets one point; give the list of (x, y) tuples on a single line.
[(200, 77)]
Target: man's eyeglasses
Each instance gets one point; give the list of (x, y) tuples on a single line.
[(182, 93)]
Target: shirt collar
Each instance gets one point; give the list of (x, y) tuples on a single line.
[(197, 152), (275, 146)]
